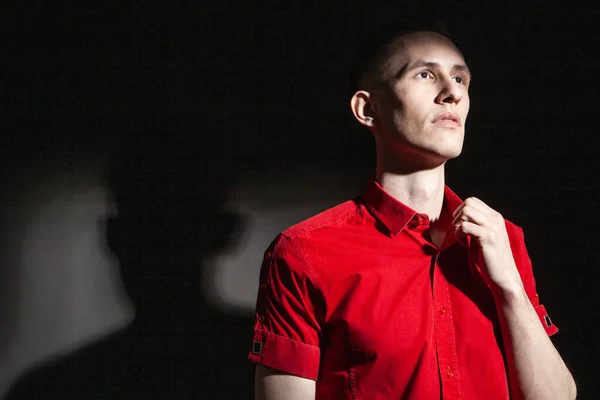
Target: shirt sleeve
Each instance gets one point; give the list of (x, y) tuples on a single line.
[(523, 262), (287, 329)]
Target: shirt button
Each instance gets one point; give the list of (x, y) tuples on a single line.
[(260, 318), (443, 310), (262, 286), (268, 254), (450, 374)]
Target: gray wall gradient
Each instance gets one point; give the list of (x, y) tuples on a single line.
[(63, 280)]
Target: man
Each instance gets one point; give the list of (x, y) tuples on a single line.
[(406, 292)]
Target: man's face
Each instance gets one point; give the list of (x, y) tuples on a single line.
[(422, 106)]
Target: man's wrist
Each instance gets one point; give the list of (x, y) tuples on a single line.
[(511, 295)]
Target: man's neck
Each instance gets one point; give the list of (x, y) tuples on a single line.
[(423, 191)]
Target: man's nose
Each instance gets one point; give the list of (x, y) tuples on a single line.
[(450, 92)]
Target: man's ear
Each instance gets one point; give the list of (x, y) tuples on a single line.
[(363, 108)]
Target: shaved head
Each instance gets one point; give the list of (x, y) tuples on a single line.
[(377, 48)]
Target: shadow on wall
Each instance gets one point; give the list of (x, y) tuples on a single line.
[(270, 200), (59, 283), (170, 194)]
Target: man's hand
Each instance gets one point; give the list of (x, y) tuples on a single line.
[(535, 369), (487, 227)]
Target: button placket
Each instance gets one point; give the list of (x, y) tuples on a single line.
[(444, 333)]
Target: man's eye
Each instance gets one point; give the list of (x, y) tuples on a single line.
[(424, 75), (459, 79)]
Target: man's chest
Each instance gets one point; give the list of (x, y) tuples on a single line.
[(400, 309)]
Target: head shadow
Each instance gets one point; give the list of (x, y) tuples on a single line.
[(170, 186)]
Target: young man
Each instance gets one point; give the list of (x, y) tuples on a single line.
[(406, 292)]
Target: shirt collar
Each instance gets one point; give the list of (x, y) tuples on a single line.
[(395, 215)]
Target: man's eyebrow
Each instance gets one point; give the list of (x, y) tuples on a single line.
[(433, 65)]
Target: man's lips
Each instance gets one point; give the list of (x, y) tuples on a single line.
[(447, 118)]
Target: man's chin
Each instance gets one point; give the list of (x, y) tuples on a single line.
[(452, 155), (435, 158), (449, 152)]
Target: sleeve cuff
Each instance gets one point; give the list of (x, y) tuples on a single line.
[(547, 323), (285, 354)]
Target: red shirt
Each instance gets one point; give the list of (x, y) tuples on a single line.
[(359, 299)]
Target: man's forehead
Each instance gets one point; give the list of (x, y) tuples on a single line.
[(428, 46)]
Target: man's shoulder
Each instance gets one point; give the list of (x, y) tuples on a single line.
[(513, 229), (315, 238), (516, 238), (326, 221)]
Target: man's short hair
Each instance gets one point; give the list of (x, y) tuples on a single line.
[(376, 48)]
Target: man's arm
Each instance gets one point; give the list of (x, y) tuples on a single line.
[(535, 369), (270, 384)]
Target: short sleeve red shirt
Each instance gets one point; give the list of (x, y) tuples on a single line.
[(359, 299)]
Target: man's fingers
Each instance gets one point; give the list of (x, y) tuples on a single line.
[(471, 214), (470, 228), (458, 209), (472, 202), (477, 201)]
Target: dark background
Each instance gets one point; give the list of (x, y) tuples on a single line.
[(182, 99)]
